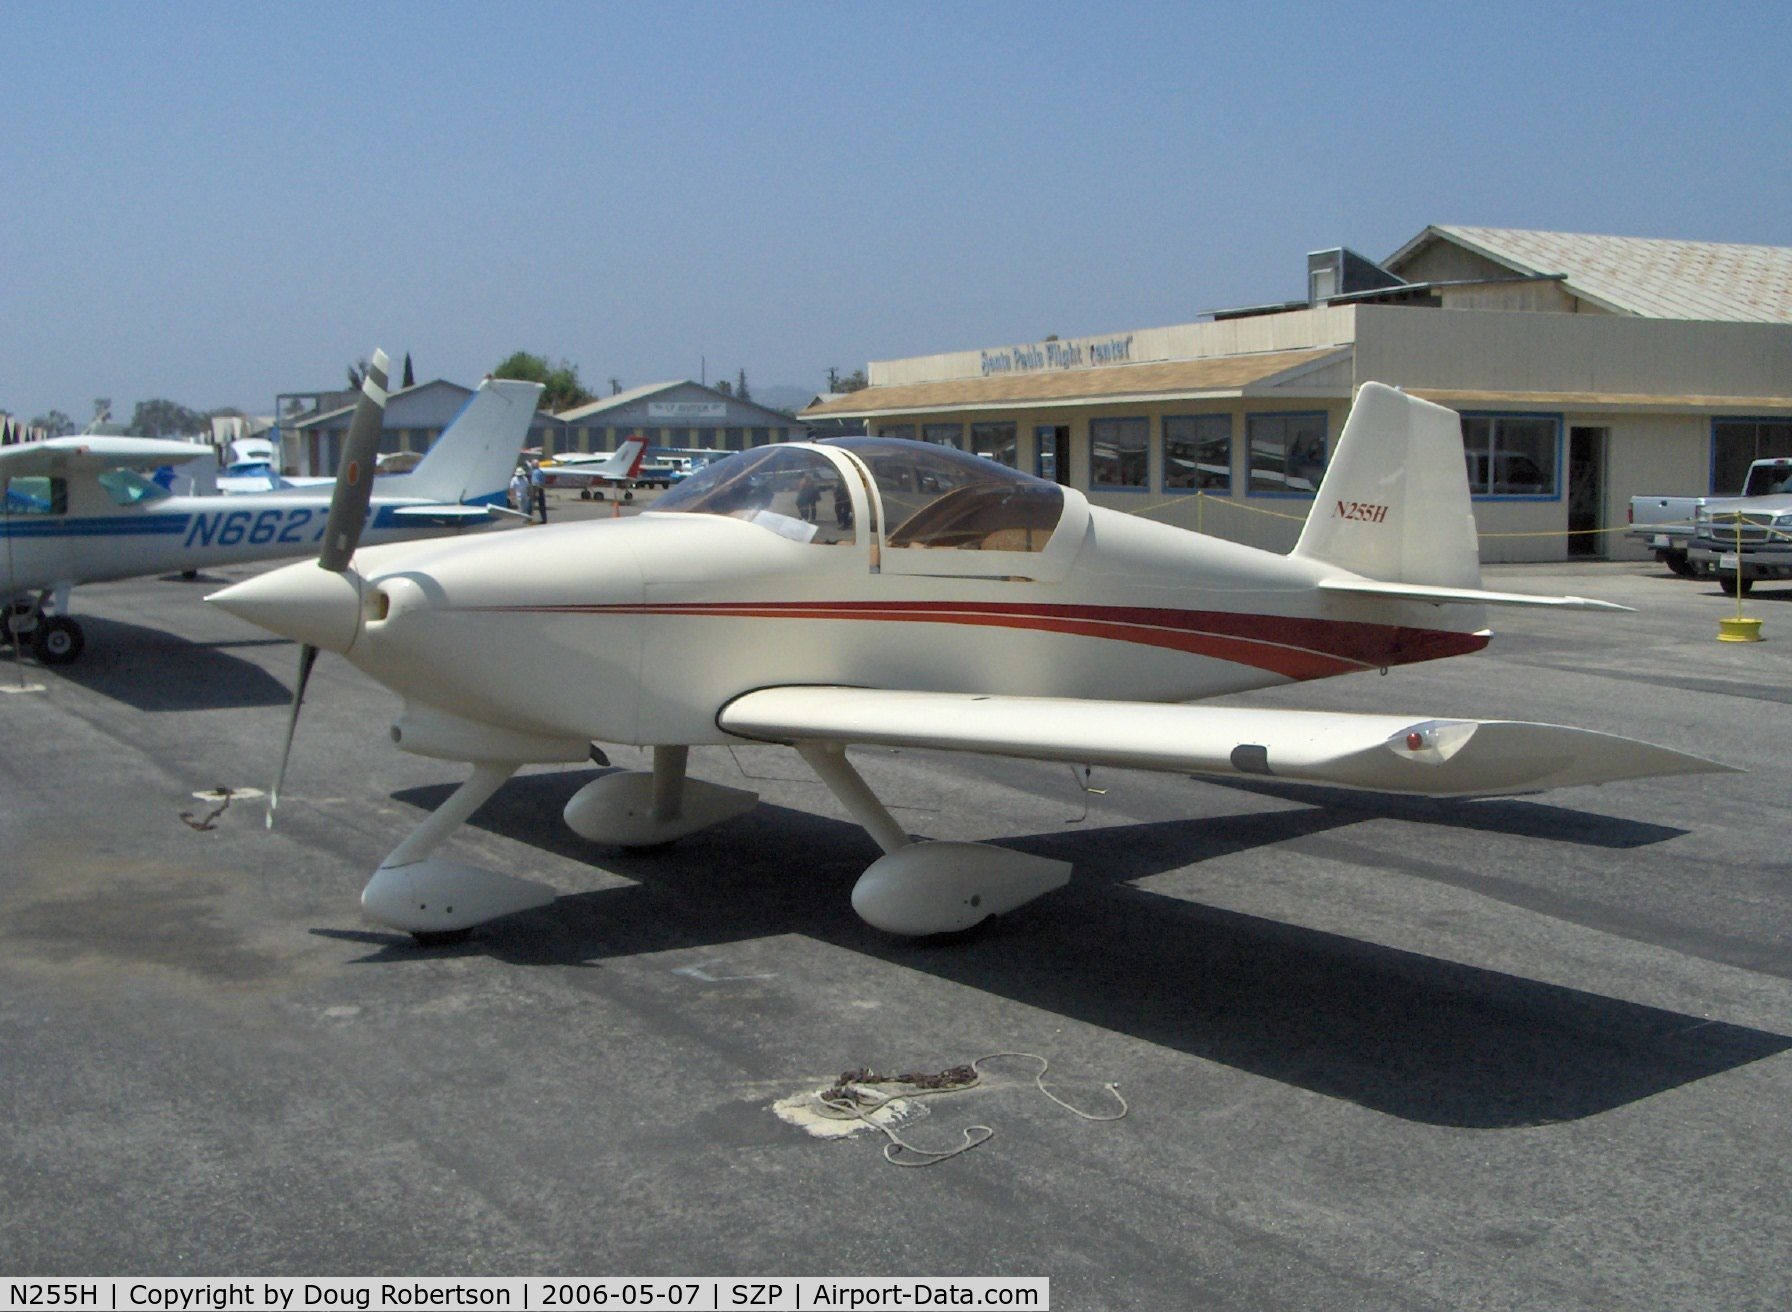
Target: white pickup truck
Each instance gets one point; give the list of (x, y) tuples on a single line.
[(1668, 525), (1737, 540)]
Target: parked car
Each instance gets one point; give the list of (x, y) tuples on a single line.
[(1669, 524)]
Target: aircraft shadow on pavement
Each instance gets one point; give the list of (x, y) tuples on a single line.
[(1401, 1033), (1517, 817), (153, 670)]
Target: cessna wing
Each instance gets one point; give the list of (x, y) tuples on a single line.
[(1383, 753), (95, 454)]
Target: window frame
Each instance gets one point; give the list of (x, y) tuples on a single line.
[(1013, 440), (1758, 421), (1095, 484), (1224, 489), (1555, 418), (1325, 420)]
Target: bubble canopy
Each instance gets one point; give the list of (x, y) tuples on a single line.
[(930, 497)]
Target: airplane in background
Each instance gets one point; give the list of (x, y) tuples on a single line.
[(940, 601), (81, 509), (619, 470)]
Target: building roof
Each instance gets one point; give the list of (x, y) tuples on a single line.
[(1219, 376), (620, 399), (325, 418), (1644, 276), (595, 409)]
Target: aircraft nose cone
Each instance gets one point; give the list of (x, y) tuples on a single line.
[(303, 602)]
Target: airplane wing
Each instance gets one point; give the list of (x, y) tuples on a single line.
[(95, 454), (1383, 753)]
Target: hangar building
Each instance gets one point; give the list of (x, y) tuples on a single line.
[(415, 418), (1586, 369), (680, 415)]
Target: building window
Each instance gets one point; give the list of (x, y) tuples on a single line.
[(1051, 452), (1119, 453), (904, 431), (997, 441), (1287, 452), (1197, 453), (951, 435), (732, 440), (1738, 443), (1512, 455)]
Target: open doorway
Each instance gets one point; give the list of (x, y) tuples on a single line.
[(1586, 491)]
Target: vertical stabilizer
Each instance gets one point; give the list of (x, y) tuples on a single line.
[(473, 459), (1394, 503)]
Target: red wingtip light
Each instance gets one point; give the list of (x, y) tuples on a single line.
[(1415, 741)]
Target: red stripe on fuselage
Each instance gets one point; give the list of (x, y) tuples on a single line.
[(1293, 648)]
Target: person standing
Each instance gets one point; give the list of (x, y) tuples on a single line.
[(538, 483), (519, 490)]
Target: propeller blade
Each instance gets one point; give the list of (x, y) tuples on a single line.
[(307, 658), (354, 478)]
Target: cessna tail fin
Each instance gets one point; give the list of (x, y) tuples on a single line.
[(1394, 502), (476, 454)]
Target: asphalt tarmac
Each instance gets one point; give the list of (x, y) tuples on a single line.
[(1378, 1054)]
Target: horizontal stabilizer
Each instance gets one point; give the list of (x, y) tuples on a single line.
[(443, 513), (1383, 753), (1461, 596)]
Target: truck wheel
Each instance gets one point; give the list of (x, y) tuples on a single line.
[(1679, 564), (1732, 587), (58, 640)]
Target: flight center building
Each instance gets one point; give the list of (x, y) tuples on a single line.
[(1578, 381)]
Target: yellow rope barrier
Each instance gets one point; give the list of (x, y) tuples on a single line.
[(1200, 500)]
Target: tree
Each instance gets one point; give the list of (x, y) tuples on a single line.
[(725, 387), (54, 424), (410, 379), (740, 386), (163, 418), (852, 382), (564, 391)]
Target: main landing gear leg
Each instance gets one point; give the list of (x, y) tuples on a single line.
[(437, 901), (920, 888), (636, 809), (55, 638)]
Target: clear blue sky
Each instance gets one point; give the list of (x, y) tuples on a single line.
[(215, 203)]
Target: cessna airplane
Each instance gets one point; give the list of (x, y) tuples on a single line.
[(620, 469), (938, 601), (80, 510)]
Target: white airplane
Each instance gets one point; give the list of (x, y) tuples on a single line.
[(80, 510), (869, 590), (620, 469)]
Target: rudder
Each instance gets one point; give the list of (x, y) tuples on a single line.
[(1394, 503), (473, 459)]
